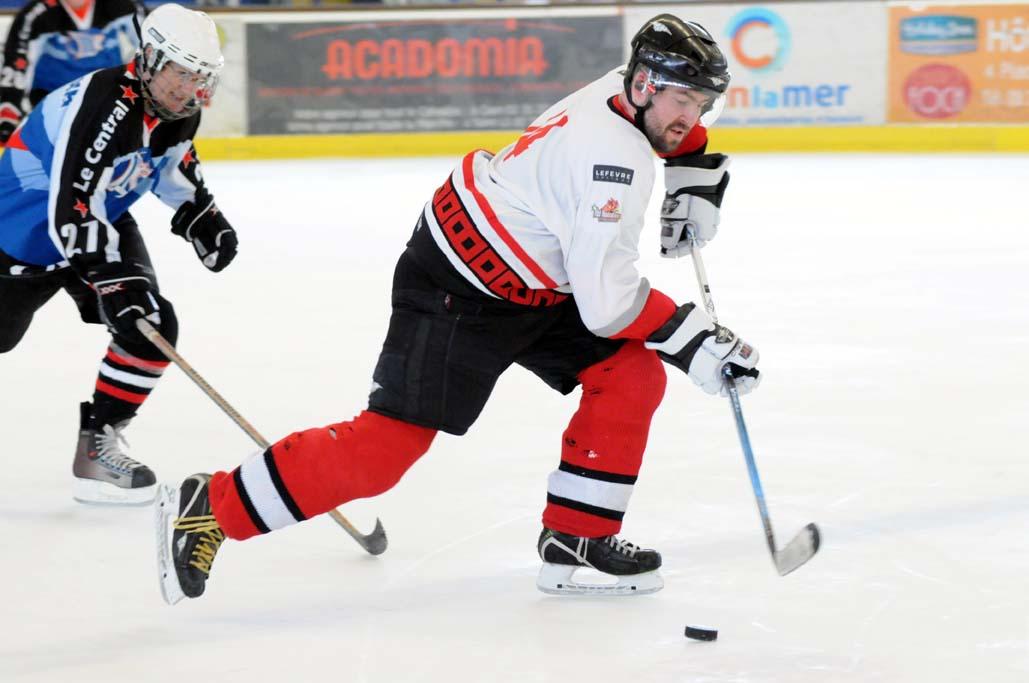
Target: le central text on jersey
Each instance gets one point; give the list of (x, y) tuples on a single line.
[(93, 153)]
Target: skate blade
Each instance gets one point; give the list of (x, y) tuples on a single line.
[(557, 579), (93, 492), (166, 506)]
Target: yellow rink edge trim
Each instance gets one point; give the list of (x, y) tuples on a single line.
[(793, 139)]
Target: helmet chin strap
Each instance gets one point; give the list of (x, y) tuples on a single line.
[(641, 110)]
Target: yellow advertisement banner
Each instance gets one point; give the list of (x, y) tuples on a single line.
[(959, 64)]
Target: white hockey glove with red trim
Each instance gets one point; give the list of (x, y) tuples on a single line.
[(694, 186), (693, 343)]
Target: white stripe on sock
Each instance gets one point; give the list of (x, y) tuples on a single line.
[(142, 381), (601, 494), (262, 493)]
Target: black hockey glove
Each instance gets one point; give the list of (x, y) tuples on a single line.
[(124, 296), (204, 225), (692, 342), (10, 116), (694, 186)]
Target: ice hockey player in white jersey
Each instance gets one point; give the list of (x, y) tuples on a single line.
[(523, 257)]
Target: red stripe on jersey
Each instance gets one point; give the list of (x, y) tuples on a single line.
[(691, 142), (128, 396), (148, 365), (656, 312), (81, 12), (498, 227), (616, 102), (15, 141)]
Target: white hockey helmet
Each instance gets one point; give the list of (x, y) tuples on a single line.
[(172, 34)]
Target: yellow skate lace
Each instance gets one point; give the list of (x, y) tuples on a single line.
[(207, 547)]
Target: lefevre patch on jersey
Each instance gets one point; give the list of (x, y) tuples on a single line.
[(613, 174), (610, 212)]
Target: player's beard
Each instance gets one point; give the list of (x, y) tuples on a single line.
[(662, 139)]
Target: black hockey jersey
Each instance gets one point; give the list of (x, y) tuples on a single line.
[(50, 44), (78, 162)]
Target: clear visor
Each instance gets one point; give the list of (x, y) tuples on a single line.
[(179, 91), (711, 102)]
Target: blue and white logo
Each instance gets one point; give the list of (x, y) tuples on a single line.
[(759, 39), (938, 34), (128, 172)]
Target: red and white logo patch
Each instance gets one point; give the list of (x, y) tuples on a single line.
[(610, 212)]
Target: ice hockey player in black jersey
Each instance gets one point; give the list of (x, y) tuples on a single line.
[(69, 174), (53, 42), (528, 257)]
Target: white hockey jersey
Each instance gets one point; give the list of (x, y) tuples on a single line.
[(557, 212)]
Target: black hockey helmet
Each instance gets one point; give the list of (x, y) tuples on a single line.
[(680, 50), (679, 53)]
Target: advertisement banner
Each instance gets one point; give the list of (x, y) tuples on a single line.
[(224, 116), (429, 75), (802, 64), (959, 64)]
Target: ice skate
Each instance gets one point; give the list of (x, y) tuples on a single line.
[(633, 571), (104, 474), (187, 544)]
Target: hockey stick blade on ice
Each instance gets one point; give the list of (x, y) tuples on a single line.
[(374, 543), (805, 544)]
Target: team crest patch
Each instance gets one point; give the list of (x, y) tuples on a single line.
[(610, 212), (129, 171), (613, 174)]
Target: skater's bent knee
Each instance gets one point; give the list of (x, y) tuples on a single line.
[(635, 376), (357, 459)]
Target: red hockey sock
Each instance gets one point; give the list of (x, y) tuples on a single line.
[(311, 472), (604, 442), (124, 382)]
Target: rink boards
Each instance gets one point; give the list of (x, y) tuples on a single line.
[(834, 76)]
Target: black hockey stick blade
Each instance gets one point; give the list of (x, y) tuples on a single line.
[(798, 551), (374, 543)]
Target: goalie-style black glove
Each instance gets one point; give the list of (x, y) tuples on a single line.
[(204, 225)]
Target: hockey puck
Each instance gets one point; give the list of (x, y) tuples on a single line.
[(701, 633)]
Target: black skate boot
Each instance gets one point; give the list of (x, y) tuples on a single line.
[(185, 558), (104, 474), (634, 569)]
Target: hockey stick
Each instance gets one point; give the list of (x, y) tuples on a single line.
[(806, 543), (374, 543)]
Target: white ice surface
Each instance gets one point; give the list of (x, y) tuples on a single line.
[(889, 296)]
